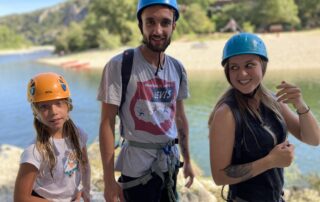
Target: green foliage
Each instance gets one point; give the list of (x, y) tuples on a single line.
[(10, 40), (240, 12), (107, 40), (275, 12), (71, 39), (76, 37), (248, 27), (61, 43), (116, 19), (200, 24), (309, 12), (112, 15), (202, 3), (182, 27), (91, 28), (134, 33), (42, 26)]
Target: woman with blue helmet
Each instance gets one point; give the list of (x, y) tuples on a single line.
[(249, 125), (153, 120)]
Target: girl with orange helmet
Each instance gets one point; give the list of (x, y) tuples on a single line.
[(55, 166)]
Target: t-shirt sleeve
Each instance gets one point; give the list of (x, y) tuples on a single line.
[(32, 156), (184, 85), (111, 85)]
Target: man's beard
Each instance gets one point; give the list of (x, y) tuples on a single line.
[(160, 48)]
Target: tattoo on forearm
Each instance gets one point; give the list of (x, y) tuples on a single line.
[(182, 141), (239, 171)]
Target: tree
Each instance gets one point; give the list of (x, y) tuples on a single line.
[(309, 12), (71, 39), (202, 3), (111, 15), (270, 12), (197, 19), (240, 12), (9, 39)]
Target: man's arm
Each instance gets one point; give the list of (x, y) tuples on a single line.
[(112, 190), (183, 133)]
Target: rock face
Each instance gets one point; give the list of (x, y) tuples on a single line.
[(202, 190), (9, 158)]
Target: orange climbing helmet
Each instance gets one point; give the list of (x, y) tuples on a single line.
[(47, 86)]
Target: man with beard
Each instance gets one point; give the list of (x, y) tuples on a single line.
[(153, 120)]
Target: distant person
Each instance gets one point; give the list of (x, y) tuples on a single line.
[(152, 115), (55, 166), (249, 125)]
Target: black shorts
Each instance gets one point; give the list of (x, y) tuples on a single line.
[(153, 191)]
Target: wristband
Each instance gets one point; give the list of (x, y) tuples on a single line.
[(307, 110)]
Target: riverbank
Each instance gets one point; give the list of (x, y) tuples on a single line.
[(291, 50), (26, 50), (202, 190)]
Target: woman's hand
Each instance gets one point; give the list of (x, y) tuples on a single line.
[(282, 155), (289, 93)]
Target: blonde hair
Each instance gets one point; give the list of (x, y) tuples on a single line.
[(44, 145)]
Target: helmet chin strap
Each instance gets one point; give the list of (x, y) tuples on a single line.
[(159, 65)]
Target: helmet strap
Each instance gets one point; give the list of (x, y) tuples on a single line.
[(159, 65)]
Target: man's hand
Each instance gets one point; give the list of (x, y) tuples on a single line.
[(113, 192), (188, 173)]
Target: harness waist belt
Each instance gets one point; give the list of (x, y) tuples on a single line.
[(152, 145)]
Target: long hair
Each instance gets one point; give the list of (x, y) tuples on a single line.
[(44, 145), (262, 93)]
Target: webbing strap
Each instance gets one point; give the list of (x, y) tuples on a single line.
[(178, 67), (141, 180), (155, 146), (126, 67)]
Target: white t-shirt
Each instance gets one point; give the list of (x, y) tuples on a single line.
[(148, 113), (66, 174)]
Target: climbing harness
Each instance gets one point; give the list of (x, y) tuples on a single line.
[(172, 162)]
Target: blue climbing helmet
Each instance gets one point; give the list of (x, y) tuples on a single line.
[(244, 43), (142, 4)]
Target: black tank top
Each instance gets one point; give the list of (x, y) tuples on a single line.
[(253, 144)]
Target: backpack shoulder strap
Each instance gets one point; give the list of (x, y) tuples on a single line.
[(178, 67), (126, 67)]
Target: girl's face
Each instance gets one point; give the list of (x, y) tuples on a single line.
[(245, 72), (53, 113)]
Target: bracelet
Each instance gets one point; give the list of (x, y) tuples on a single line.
[(307, 110)]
